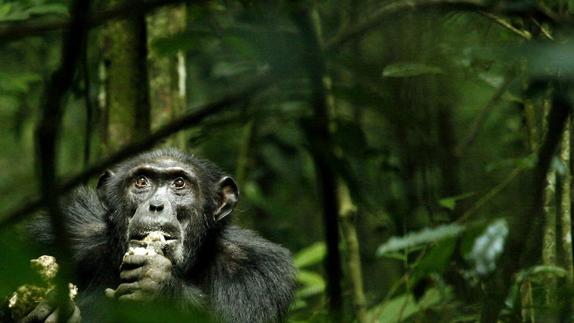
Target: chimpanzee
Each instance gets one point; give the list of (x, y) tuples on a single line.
[(157, 226)]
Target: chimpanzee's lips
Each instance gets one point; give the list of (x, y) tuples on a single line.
[(141, 236)]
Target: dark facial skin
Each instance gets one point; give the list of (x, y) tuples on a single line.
[(157, 191)]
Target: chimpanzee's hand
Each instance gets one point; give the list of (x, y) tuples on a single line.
[(143, 277), (46, 312)]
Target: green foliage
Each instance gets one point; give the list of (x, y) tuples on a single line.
[(488, 247), (435, 261), (17, 83), (311, 255), (15, 269), (410, 70), (407, 93), (15, 12), (310, 283), (403, 307), (423, 237), (450, 202)]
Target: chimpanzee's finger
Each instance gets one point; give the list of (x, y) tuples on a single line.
[(131, 275), (135, 296), (53, 318), (76, 316), (132, 261), (38, 314), (110, 293), (126, 288)]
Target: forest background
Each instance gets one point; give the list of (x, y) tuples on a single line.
[(414, 155)]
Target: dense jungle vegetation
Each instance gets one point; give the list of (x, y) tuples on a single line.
[(413, 155)]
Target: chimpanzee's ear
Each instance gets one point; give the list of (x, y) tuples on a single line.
[(101, 188), (229, 195)]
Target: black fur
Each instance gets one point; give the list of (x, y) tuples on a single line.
[(235, 273)]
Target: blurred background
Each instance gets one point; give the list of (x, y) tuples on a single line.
[(414, 155)]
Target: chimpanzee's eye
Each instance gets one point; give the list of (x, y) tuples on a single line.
[(179, 183), (141, 182)]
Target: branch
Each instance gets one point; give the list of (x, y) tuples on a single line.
[(520, 253), (25, 29), (481, 118), (200, 113), (506, 24), (47, 136), (402, 7), (318, 134)]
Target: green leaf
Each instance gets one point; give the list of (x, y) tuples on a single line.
[(49, 9), (396, 256), (311, 255), (432, 297), (397, 309), (424, 236), (5, 9), (402, 307), (240, 46), (435, 261), (541, 273), (312, 283), (410, 69), (229, 69), (17, 82), (488, 247), (450, 202), (15, 16)]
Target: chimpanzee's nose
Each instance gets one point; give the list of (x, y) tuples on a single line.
[(156, 206)]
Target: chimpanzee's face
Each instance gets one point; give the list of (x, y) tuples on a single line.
[(171, 194), (166, 198)]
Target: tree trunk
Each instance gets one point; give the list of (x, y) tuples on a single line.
[(167, 72), (126, 84), (338, 208)]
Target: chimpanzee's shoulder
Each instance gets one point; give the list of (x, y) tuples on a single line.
[(254, 278), (85, 222), (247, 242)]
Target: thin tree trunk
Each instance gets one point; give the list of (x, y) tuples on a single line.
[(319, 137), (167, 73), (243, 163), (566, 204), (549, 250), (47, 134), (347, 215), (337, 202), (89, 125), (127, 86)]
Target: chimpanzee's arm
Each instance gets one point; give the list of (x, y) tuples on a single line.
[(253, 279)]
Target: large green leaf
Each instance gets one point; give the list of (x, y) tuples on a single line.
[(49, 9), (17, 82), (424, 236), (5, 9), (410, 69), (311, 255), (402, 307), (398, 309), (488, 247), (435, 261), (312, 283)]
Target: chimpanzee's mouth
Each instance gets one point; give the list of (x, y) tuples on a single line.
[(153, 236)]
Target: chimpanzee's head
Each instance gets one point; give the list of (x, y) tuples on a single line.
[(166, 191)]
